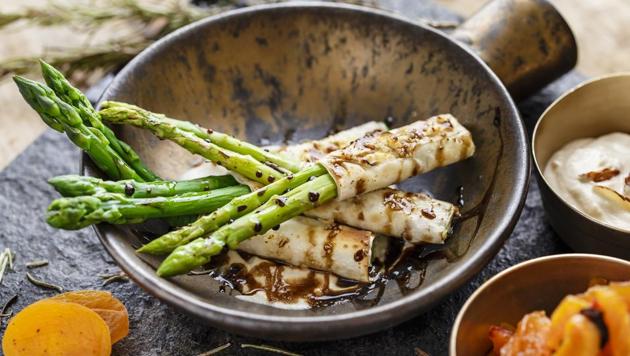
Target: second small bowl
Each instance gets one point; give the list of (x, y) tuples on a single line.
[(594, 108), (538, 284)]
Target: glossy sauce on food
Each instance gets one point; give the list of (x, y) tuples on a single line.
[(277, 284)]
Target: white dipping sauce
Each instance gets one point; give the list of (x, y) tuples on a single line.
[(567, 170)]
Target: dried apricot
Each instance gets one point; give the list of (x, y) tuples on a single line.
[(104, 304), (570, 305), (581, 337), (623, 290), (530, 337), (56, 328), (499, 337), (616, 318)]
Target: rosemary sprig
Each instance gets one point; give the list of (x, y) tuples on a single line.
[(148, 21), (6, 260), (269, 349), (37, 264), (103, 57), (114, 277), (43, 284), (200, 272), (216, 350), (3, 311)]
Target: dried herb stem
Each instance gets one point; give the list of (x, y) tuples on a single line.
[(6, 260), (147, 20), (3, 311), (43, 284), (200, 273), (216, 350), (114, 277), (269, 349), (36, 264)]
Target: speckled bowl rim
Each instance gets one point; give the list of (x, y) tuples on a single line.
[(543, 117), (359, 322), (507, 271)]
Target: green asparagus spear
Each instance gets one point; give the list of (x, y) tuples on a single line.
[(243, 164), (64, 118), (276, 211), (78, 212), (236, 208), (74, 97), (220, 139), (75, 185)]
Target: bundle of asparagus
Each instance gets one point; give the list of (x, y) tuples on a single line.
[(106, 204), (292, 187), (369, 163), (65, 109), (90, 200)]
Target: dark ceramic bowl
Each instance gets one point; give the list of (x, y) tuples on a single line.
[(538, 284), (594, 108), (296, 71)]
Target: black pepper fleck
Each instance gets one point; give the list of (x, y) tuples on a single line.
[(282, 201), (129, 189)]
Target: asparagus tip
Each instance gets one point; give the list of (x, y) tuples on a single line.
[(45, 66), (169, 270), (144, 249), (21, 81)]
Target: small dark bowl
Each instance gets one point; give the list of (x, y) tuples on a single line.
[(594, 108), (297, 70), (538, 284)]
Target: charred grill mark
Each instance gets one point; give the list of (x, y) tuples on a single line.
[(241, 208), (439, 155), (259, 174), (329, 244), (360, 187), (465, 148), (311, 240), (416, 168)]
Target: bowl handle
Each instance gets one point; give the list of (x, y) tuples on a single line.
[(527, 43)]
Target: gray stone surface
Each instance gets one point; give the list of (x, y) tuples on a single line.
[(77, 258)]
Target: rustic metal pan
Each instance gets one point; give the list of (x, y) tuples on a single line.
[(297, 70)]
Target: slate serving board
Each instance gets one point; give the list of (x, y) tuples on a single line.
[(77, 258)]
